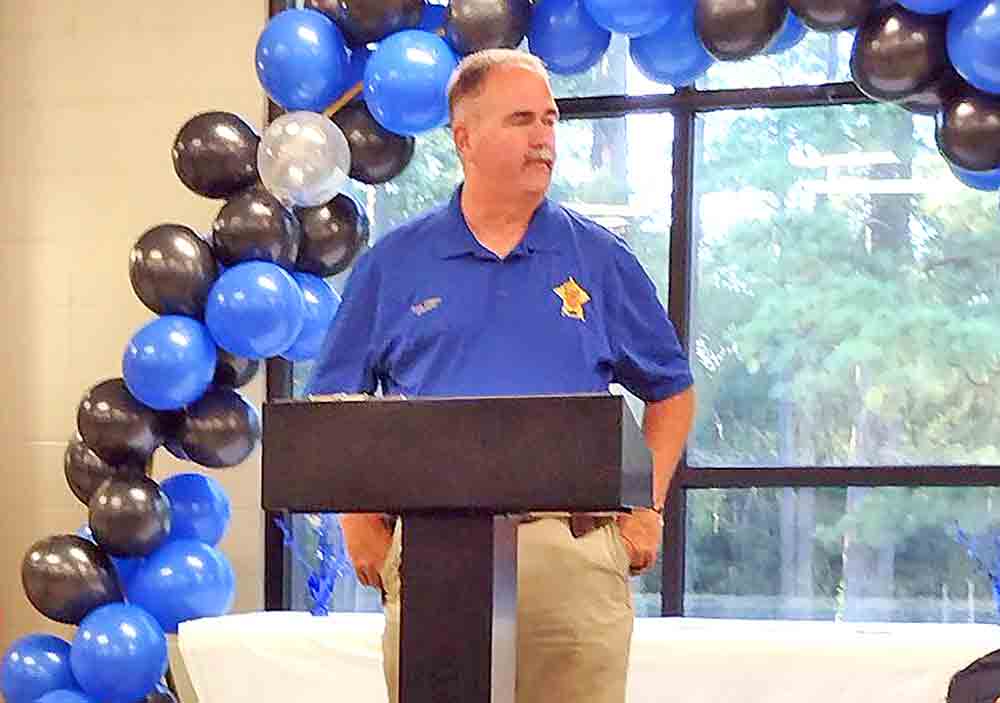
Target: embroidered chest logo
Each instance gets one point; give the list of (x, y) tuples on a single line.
[(424, 307), (573, 298)]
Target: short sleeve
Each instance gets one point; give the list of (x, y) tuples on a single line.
[(346, 363), (647, 356)]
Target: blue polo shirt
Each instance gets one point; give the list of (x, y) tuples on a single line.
[(429, 311)]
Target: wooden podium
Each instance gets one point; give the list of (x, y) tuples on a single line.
[(455, 469)]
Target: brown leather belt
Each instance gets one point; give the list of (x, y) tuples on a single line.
[(580, 524)]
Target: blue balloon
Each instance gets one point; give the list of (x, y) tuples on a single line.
[(67, 695), (301, 60), (34, 665), (791, 33), (255, 310), (199, 507), (406, 81), (675, 54), (125, 566), (930, 7), (322, 303), (182, 580), (973, 43), (169, 362), (119, 653), (433, 17), (565, 37), (635, 18), (980, 180)]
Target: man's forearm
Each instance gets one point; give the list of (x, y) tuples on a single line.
[(666, 425), (362, 520)]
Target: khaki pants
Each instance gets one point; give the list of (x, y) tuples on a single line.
[(574, 613)]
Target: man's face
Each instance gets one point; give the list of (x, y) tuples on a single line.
[(507, 135)]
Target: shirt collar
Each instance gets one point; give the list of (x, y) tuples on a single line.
[(455, 239)]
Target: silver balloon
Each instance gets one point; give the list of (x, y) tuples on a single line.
[(303, 159)]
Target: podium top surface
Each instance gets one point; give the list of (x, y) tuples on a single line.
[(494, 454)]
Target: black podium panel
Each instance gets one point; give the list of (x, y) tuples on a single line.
[(491, 454)]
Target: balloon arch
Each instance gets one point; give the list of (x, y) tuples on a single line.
[(357, 80)]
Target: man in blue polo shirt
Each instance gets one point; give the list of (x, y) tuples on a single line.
[(503, 292)]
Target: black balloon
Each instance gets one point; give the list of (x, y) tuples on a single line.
[(332, 235), (66, 577), (897, 52), (254, 225), (85, 471), (933, 97), (119, 428), (364, 21), (473, 25), (732, 30), (968, 132), (377, 155), (175, 448), (172, 269), (220, 429), (215, 154), (172, 421), (129, 516), (832, 15), (233, 371)]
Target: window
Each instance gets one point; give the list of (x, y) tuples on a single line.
[(839, 303), (817, 58), (844, 308), (851, 553)]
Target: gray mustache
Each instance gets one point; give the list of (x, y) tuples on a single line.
[(543, 154)]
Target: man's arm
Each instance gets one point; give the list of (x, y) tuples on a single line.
[(666, 425), (368, 541), (346, 365)]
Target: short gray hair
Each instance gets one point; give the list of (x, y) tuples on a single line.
[(467, 80)]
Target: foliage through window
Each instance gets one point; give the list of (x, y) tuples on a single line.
[(845, 311)]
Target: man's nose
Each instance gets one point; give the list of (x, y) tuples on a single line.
[(543, 135)]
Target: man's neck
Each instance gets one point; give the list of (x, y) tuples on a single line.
[(498, 220)]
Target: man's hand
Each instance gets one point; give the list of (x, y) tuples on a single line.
[(641, 532), (368, 541)]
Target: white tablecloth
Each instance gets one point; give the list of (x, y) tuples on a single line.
[(292, 657)]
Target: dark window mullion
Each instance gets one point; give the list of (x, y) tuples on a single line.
[(277, 567), (928, 475), (278, 384), (679, 308), (691, 100)]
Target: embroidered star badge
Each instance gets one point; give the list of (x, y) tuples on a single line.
[(573, 298)]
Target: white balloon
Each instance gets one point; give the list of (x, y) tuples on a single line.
[(303, 159)]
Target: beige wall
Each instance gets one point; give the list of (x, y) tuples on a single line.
[(92, 94)]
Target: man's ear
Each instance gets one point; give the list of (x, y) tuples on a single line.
[(460, 133)]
